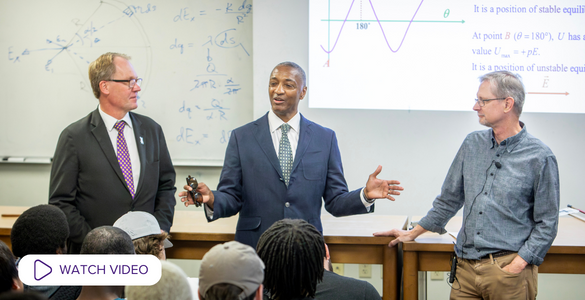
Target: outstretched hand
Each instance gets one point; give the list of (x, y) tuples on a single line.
[(379, 188)]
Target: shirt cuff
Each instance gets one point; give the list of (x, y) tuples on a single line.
[(365, 202), (530, 257), (208, 211)]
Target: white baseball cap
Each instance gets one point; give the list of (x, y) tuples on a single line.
[(139, 224)]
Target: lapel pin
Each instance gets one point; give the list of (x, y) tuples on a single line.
[(141, 141)]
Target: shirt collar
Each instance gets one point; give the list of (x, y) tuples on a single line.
[(511, 142), (110, 121), (274, 122)]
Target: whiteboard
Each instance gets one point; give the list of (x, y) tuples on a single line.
[(195, 58)]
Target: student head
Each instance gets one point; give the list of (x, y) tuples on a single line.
[(173, 285), (107, 240), (231, 271), (41, 229), (145, 232), (293, 252), (9, 280)]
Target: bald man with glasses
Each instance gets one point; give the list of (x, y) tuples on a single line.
[(112, 161)]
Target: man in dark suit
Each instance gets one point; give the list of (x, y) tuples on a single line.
[(268, 176), (112, 161)]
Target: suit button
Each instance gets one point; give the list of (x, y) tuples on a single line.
[(281, 179), (287, 204)]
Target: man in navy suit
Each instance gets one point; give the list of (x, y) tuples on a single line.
[(257, 183), (112, 161)]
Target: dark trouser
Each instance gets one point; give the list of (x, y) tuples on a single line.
[(485, 279)]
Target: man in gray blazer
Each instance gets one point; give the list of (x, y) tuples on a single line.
[(112, 161), (282, 166)]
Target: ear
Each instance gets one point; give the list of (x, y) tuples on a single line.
[(303, 93), (17, 285), (259, 293), (327, 256), (104, 87), (509, 104)]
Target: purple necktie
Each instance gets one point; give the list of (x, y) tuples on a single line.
[(124, 157)]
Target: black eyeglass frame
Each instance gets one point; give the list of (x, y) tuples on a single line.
[(131, 82), (482, 103)]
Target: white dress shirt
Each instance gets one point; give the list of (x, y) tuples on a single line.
[(110, 122)]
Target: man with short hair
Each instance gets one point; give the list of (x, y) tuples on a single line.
[(145, 232), (105, 240), (231, 271), (112, 161), (284, 166), (293, 252), (43, 229), (508, 182)]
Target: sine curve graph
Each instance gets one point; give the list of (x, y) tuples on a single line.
[(379, 23)]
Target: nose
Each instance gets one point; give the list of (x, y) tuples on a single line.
[(476, 106), (136, 88), (279, 89)]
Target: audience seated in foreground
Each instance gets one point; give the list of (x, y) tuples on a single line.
[(145, 232), (231, 271), (173, 285)]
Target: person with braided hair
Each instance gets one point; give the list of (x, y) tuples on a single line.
[(292, 251)]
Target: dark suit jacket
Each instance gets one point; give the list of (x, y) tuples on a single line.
[(251, 180), (87, 182)]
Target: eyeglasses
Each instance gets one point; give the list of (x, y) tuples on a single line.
[(131, 82), (482, 102)]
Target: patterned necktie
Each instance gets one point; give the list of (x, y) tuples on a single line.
[(285, 153), (124, 157)]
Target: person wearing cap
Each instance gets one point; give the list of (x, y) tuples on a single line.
[(173, 285), (231, 271), (145, 232)]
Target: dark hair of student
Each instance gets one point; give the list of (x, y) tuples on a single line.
[(293, 252)]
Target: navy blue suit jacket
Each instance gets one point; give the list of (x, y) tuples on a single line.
[(251, 180)]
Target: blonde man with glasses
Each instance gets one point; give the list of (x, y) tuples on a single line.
[(113, 160)]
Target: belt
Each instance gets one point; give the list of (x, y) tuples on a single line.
[(498, 254)]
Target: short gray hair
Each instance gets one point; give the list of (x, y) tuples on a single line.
[(506, 84)]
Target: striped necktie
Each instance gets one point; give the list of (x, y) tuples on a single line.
[(285, 153), (124, 157)]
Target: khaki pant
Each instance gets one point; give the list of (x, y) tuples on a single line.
[(485, 279)]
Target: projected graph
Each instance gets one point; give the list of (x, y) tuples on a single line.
[(427, 55)]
